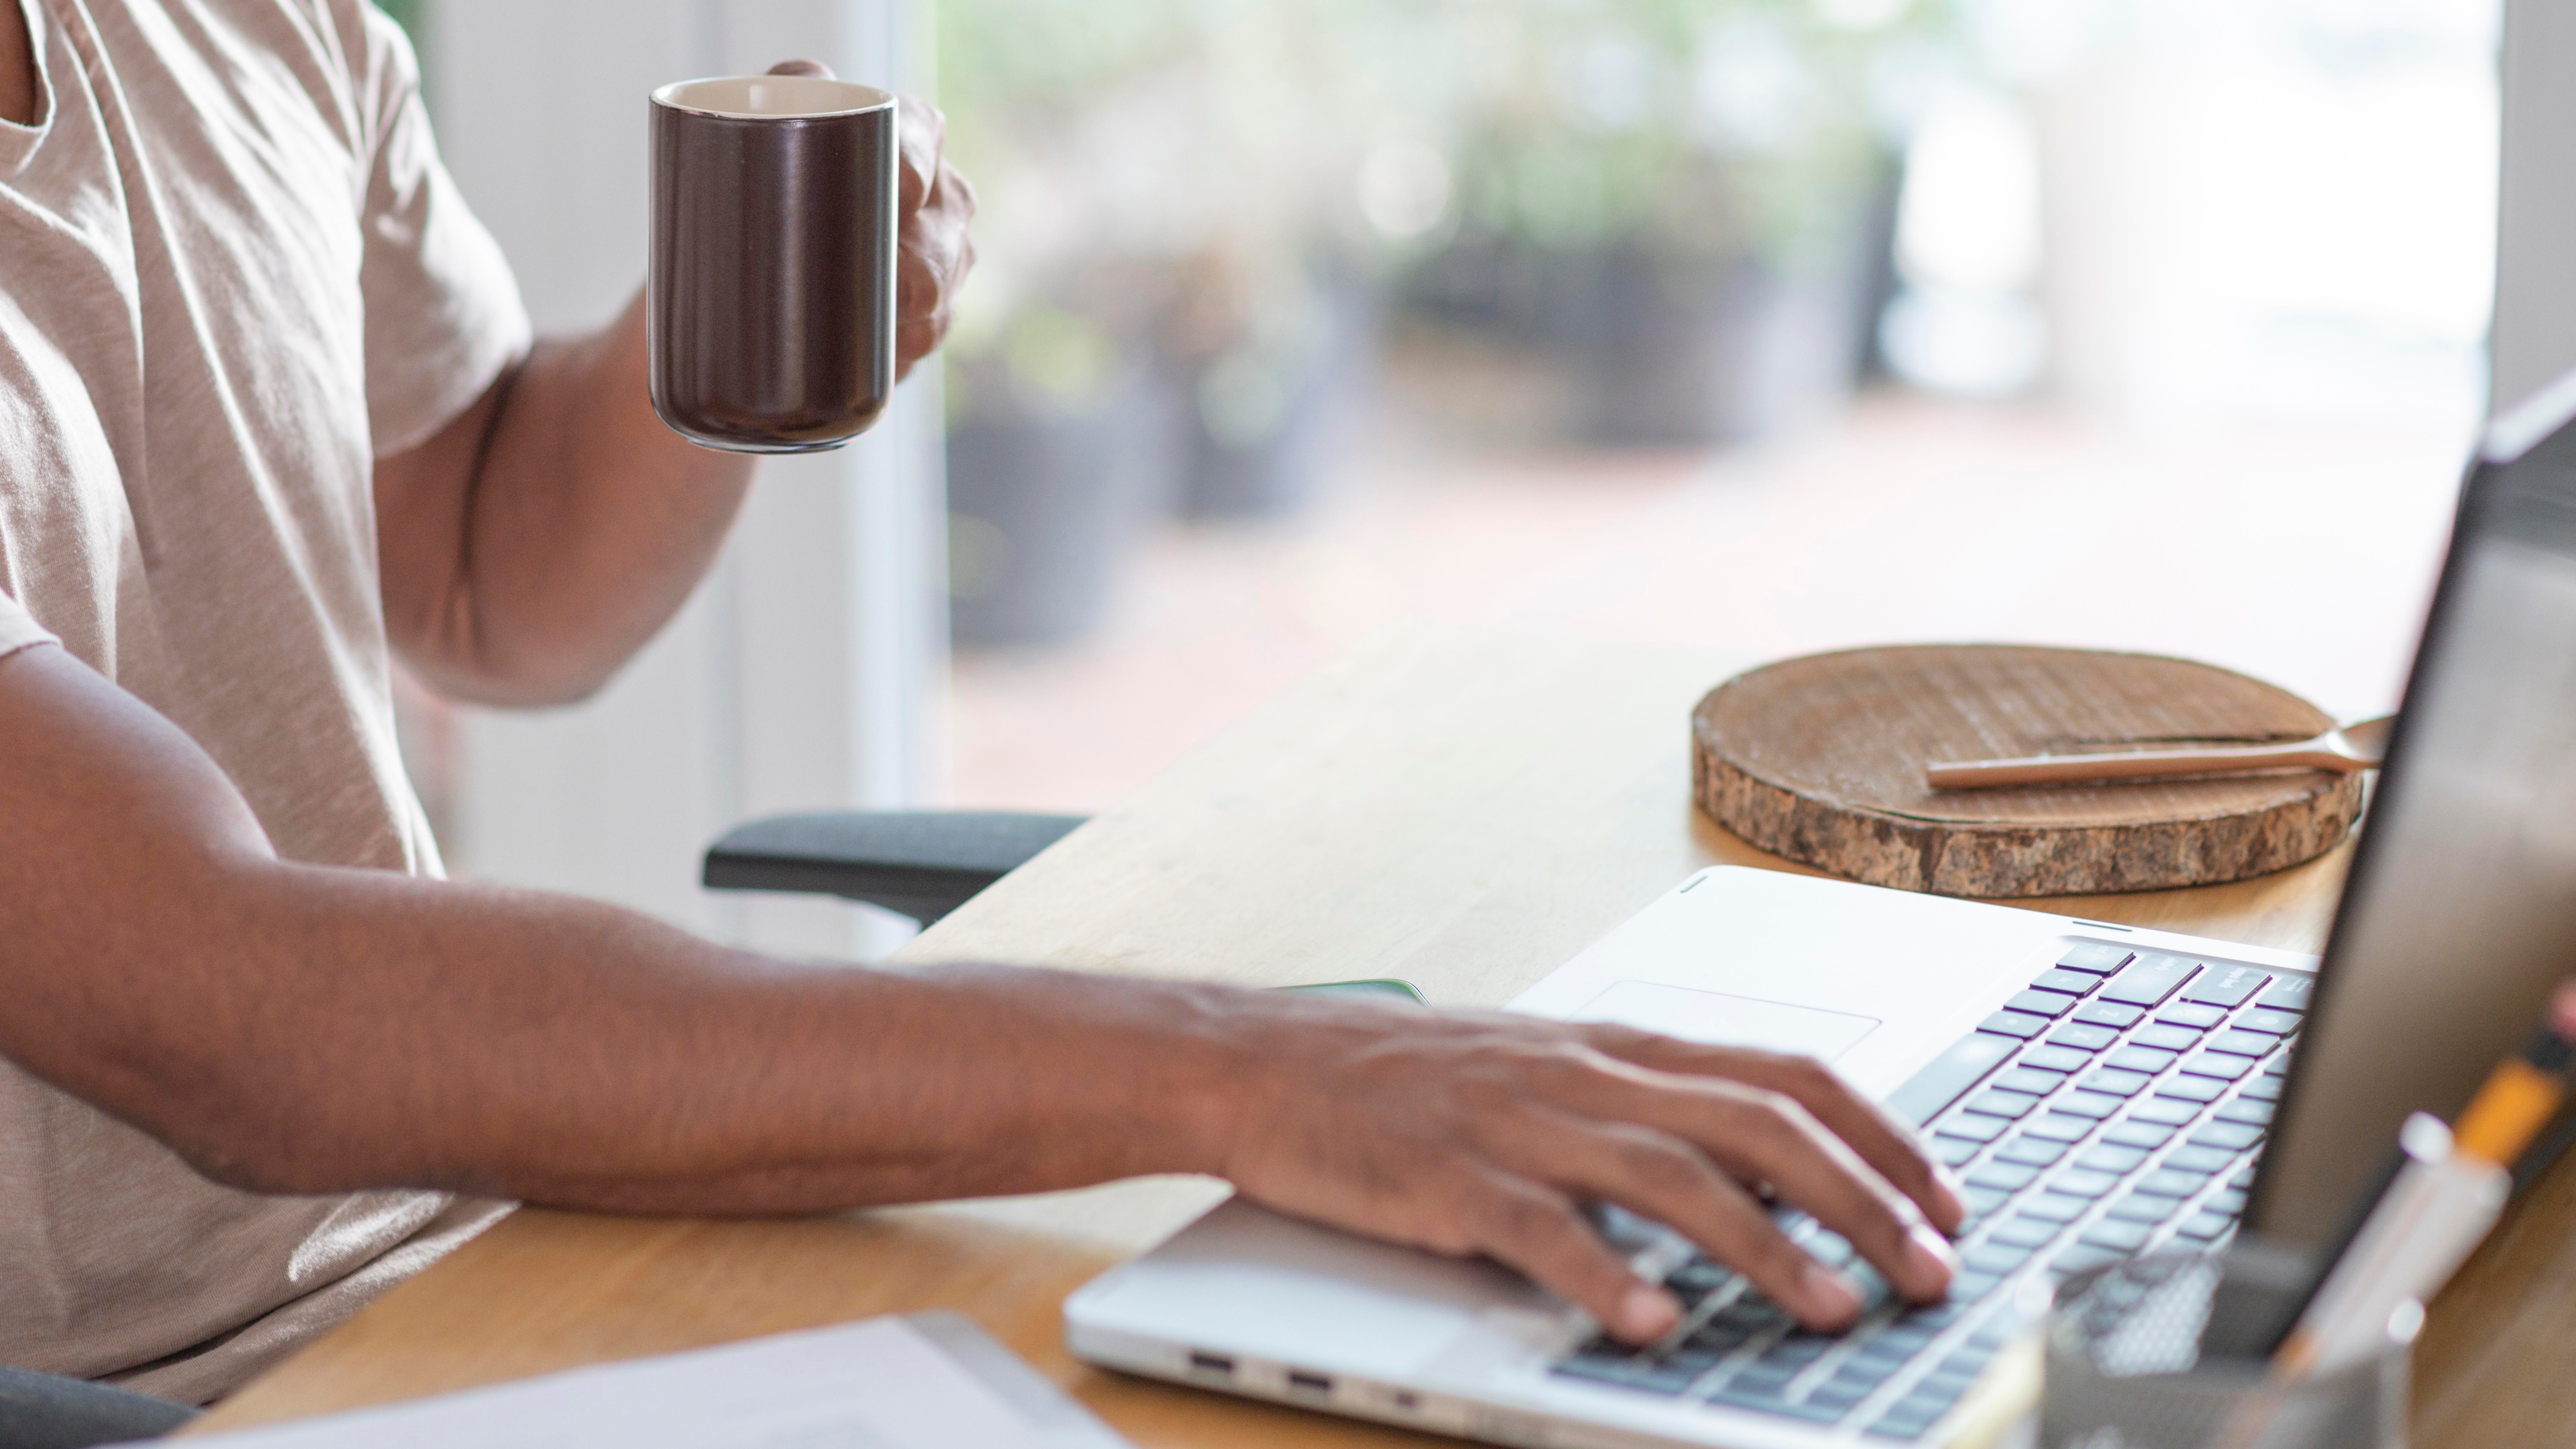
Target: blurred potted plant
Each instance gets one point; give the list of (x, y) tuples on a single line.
[(1185, 177), (1060, 423), (1688, 200)]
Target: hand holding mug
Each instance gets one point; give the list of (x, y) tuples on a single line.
[(936, 250), (805, 252)]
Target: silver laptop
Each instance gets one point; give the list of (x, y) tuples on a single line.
[(2102, 1091)]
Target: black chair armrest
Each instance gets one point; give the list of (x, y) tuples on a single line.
[(921, 864)]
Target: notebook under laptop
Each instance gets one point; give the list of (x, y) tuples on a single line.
[(2101, 1090)]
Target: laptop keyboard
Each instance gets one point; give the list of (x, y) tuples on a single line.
[(2115, 1107)]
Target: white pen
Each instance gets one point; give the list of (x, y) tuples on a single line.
[(2438, 1209)]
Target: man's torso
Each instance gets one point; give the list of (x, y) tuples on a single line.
[(187, 431)]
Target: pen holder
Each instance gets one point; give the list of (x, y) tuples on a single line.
[(2137, 1359)]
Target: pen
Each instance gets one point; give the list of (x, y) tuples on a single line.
[(2441, 1203), (2444, 1198)]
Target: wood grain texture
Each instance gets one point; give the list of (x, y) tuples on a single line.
[(1462, 810), (1821, 759)]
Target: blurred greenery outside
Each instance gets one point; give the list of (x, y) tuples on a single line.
[(1205, 215), (1175, 164)]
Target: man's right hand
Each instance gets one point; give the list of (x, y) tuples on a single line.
[(301, 1029), (1486, 1134)]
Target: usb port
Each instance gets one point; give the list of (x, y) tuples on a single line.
[(1311, 1383), (1211, 1363)]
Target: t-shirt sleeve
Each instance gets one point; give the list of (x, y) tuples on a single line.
[(444, 317), (18, 628)]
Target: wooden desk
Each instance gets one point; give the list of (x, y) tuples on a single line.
[(1465, 811)]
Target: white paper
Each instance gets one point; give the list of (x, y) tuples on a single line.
[(875, 1385)]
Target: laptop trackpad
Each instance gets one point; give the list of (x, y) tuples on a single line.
[(1721, 1020)]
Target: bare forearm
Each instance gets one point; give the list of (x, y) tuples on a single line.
[(540, 540), (501, 1042)]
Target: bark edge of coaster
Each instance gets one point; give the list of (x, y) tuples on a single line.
[(1821, 758)]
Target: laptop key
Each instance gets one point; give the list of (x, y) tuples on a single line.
[(2270, 1022), (2150, 979), (1955, 1151), (1981, 1202), (2228, 986), (2243, 1043), (2192, 1088), (2116, 1082), (1995, 1102), (2251, 1111), (2141, 1059), (1996, 1258), (2094, 958), (2054, 1058), (2189, 1014), (2096, 1105), (2243, 1181), (2264, 1089), (1971, 1286), (2080, 1257), (1866, 1370), (2073, 983), (2031, 1151), (2288, 993), (2026, 1232), (1972, 1127), (1628, 1373), (2083, 1037), (2059, 1127), (2112, 1159), (2117, 1235), (2145, 1208), (1887, 1350), (2027, 1079), (2049, 1004), (2165, 1111), (2003, 1176), (2201, 1159), (2165, 1182), (1927, 1319), (2204, 1227), (2116, 1015), (2014, 1023), (2165, 1038), (2234, 1136), (2228, 1200), (1950, 1076), (1835, 1396), (2134, 1133), (2082, 1183), (1796, 1351), (2214, 1063)]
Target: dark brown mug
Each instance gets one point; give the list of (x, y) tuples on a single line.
[(772, 301)]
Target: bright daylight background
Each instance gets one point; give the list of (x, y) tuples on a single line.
[(1776, 325)]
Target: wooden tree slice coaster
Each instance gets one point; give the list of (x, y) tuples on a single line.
[(1821, 759)]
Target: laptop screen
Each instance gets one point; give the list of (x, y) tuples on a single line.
[(2460, 917)]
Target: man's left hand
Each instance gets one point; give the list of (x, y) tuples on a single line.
[(935, 251)]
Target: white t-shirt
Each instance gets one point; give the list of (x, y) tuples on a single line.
[(232, 273)]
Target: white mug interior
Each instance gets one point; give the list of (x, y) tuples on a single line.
[(772, 97)]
